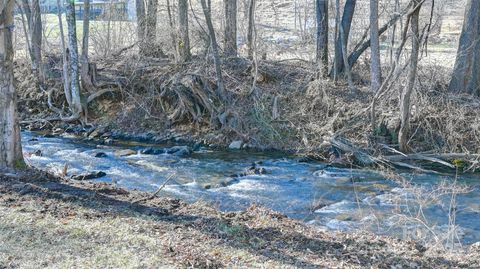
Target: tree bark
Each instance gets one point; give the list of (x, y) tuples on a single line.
[(250, 30), (33, 13), (375, 67), (405, 102), (10, 145), (65, 74), (183, 44), (213, 42), (76, 106), (141, 25), (322, 36), (151, 23), (230, 38), (86, 72), (346, 23), (466, 73)]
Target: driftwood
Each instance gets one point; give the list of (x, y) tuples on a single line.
[(366, 157)]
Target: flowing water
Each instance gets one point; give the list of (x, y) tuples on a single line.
[(331, 198)]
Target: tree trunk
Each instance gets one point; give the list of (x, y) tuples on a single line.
[(375, 67), (250, 30), (76, 106), (141, 22), (183, 44), (230, 39), (33, 13), (66, 76), (151, 23), (346, 24), (213, 41), (10, 145), (466, 73), (86, 71), (322, 36), (412, 76)]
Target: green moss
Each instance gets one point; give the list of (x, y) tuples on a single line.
[(19, 164)]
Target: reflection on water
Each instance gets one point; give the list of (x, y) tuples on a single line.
[(333, 198)]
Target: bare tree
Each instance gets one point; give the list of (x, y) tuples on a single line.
[(375, 67), (65, 73), (405, 96), (151, 21), (322, 36), (87, 69), (207, 11), (34, 19), (346, 23), (183, 44), (76, 103), (250, 28), (141, 26), (230, 38), (10, 145), (466, 73)]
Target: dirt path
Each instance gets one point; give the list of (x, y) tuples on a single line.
[(49, 223)]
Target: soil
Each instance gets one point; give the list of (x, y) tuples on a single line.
[(55, 223)]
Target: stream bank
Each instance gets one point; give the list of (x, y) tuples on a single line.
[(42, 217)]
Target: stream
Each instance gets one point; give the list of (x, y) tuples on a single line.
[(318, 194)]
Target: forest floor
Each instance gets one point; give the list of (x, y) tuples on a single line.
[(53, 223)]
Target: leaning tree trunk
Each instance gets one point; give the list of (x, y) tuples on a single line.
[(375, 67), (412, 76), (10, 144), (466, 73), (183, 44), (322, 36), (213, 42), (346, 24), (230, 38), (76, 106)]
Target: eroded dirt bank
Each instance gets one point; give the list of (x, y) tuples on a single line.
[(49, 222)]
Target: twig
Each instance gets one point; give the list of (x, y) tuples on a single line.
[(156, 192)]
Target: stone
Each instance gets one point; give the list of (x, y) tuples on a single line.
[(108, 141), (100, 155), (237, 144), (89, 175), (96, 133), (124, 152), (180, 151), (152, 151)]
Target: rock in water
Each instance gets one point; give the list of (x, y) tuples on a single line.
[(87, 176), (236, 144), (152, 151), (180, 151), (100, 155), (125, 152)]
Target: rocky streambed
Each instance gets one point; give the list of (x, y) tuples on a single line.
[(328, 197)]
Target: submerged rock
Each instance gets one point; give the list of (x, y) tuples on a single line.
[(89, 175), (236, 144), (125, 152)]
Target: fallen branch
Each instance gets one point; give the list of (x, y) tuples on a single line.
[(156, 192)]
